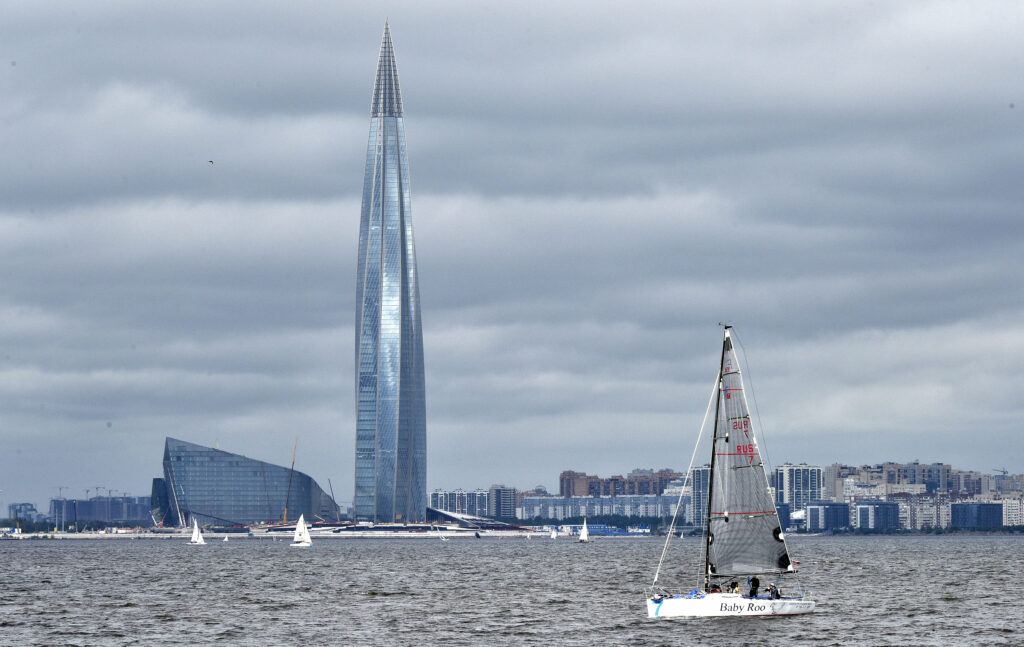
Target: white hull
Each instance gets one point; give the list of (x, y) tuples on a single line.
[(726, 604), (301, 544)]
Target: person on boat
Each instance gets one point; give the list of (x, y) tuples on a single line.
[(773, 592), (734, 587), (754, 584)]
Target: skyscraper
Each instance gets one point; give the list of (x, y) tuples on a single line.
[(391, 429), (797, 485)]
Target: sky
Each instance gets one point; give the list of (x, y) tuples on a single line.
[(595, 187)]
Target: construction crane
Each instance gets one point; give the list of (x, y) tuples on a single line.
[(1000, 470), (288, 493), (64, 507)]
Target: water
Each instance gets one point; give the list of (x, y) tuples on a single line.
[(911, 590)]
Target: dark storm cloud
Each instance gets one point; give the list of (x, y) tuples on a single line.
[(593, 190)]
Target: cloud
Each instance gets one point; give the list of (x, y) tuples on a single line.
[(594, 189)]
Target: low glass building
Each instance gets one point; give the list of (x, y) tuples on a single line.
[(976, 516), (827, 515), (218, 487), (876, 515)]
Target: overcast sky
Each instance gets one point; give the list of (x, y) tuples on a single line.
[(595, 187)]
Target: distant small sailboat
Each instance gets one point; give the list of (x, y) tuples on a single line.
[(301, 538), (554, 533), (438, 531), (197, 535), (584, 533), (225, 539)]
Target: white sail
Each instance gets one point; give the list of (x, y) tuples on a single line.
[(554, 533), (743, 538), (744, 535), (301, 537), (584, 533), (197, 535)]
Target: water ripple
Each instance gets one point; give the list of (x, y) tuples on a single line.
[(919, 590)]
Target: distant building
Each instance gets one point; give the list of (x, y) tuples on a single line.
[(638, 505), (922, 511), (1013, 512), (26, 511), (697, 505), (876, 515), (827, 515), (459, 501), (784, 517), (797, 485), (101, 509), (501, 502), (572, 483), (976, 516), (639, 481), (935, 477), (218, 487), (832, 479)]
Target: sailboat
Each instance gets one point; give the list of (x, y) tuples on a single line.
[(438, 531), (554, 533), (584, 533), (197, 535), (743, 540), (301, 538)]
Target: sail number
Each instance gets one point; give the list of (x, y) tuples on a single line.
[(747, 450), (742, 425)]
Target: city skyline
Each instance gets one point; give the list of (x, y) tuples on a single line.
[(391, 431), (596, 188)]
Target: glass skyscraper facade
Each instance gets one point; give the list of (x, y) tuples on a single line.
[(391, 431), (218, 487)]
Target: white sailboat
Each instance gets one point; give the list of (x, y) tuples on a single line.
[(584, 533), (554, 533), (743, 540), (438, 531), (197, 535), (301, 538)]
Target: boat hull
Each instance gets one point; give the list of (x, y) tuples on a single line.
[(725, 604)]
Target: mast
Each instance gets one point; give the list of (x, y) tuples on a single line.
[(337, 508), (288, 493), (711, 472)]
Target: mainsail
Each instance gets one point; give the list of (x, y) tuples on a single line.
[(744, 536), (301, 537)]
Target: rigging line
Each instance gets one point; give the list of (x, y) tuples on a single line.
[(753, 396), (682, 490)]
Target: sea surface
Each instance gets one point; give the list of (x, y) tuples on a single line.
[(907, 590)]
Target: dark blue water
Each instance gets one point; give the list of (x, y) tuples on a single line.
[(915, 590)]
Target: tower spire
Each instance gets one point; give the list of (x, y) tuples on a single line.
[(387, 95)]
